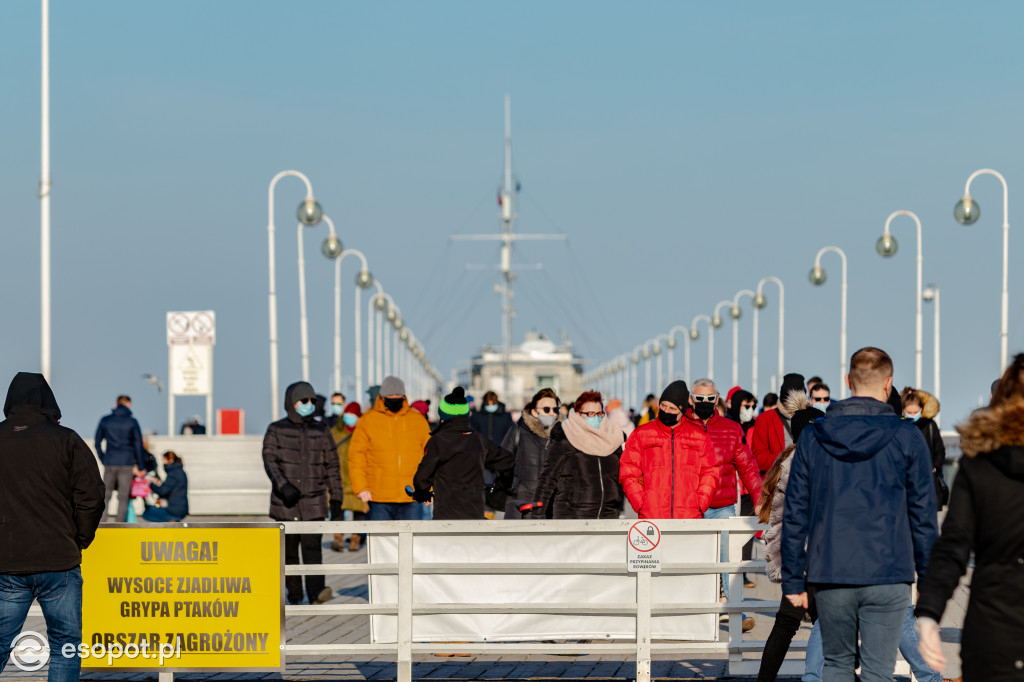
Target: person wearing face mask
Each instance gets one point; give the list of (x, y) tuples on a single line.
[(302, 464), (921, 407), (732, 457), (352, 507), (385, 452), (335, 409), (528, 442), (821, 396), (580, 479), (491, 420), (742, 410), (669, 468)]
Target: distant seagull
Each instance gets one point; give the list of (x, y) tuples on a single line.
[(155, 380)]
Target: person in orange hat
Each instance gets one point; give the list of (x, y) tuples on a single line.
[(619, 416)]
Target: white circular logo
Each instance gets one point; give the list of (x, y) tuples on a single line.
[(29, 651)]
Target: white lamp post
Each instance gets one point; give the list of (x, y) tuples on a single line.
[(333, 250), (887, 247), (656, 349), (931, 294), (635, 357), (967, 212), (373, 352), (735, 312), (44, 195), (685, 331), (309, 213), (760, 301), (818, 277), (716, 322), (695, 335)]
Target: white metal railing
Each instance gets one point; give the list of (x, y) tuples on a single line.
[(739, 532)]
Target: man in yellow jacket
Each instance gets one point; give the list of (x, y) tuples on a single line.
[(385, 452)]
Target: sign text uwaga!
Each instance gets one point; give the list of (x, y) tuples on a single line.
[(212, 593)]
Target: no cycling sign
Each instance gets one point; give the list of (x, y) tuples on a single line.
[(643, 548)]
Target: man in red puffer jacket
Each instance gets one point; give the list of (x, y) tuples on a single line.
[(732, 456), (668, 468)]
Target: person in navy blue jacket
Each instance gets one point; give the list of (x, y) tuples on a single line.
[(123, 453), (859, 519), (173, 492)]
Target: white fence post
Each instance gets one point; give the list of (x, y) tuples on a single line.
[(643, 626), (736, 541), (165, 677), (405, 597)]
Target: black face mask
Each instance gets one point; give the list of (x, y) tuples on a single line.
[(704, 410), (393, 404), (667, 419)]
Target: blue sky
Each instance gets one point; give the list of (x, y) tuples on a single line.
[(687, 149)]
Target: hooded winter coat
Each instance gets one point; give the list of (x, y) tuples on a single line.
[(121, 432), (493, 425), (735, 405), (386, 450), (576, 484), (860, 496), (669, 473), (732, 457), (174, 489), (300, 451), (453, 465), (986, 516), (528, 441), (51, 492)]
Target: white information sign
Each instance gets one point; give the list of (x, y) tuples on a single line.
[(191, 328), (643, 548), (191, 335), (191, 370)]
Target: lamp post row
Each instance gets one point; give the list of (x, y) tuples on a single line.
[(310, 214)]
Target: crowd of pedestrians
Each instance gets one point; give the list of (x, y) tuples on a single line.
[(850, 490)]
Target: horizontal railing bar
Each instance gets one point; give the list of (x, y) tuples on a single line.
[(578, 608), (518, 569), (341, 609), (499, 527), (622, 647), (325, 649)]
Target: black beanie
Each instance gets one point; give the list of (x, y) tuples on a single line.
[(790, 382), (453, 405), (677, 393), (802, 418)]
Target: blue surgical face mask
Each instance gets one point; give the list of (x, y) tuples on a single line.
[(594, 422), (491, 408), (337, 409), (349, 419), (822, 406), (914, 418), (306, 409)]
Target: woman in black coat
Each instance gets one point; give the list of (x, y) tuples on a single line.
[(986, 515), (580, 479), (920, 407), (528, 441)]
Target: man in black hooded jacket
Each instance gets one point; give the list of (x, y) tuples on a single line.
[(300, 459), (51, 501)]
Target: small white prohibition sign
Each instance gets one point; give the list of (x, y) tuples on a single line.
[(29, 651), (640, 537)]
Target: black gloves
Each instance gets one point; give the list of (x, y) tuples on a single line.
[(289, 494), (423, 496), (337, 514)]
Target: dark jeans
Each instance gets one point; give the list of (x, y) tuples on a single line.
[(395, 511), (787, 622), (312, 553), (119, 479), (747, 509), (876, 612), (59, 594), (158, 515)]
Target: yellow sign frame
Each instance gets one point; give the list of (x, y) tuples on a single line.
[(140, 584)]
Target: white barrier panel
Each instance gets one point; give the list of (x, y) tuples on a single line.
[(593, 590)]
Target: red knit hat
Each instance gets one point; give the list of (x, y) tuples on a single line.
[(421, 407), (732, 392)]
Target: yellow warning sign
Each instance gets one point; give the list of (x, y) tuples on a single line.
[(202, 598)]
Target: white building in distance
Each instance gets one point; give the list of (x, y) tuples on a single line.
[(538, 363)]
